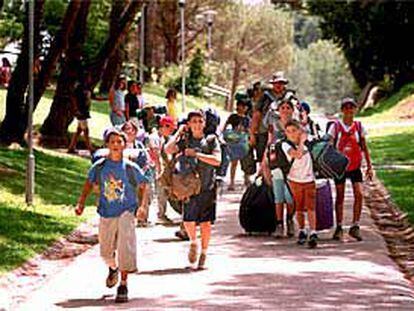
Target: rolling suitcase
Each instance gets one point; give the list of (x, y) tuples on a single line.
[(324, 205)]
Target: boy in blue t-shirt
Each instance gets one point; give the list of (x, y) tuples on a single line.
[(118, 180)]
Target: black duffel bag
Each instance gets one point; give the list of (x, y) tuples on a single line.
[(257, 208)]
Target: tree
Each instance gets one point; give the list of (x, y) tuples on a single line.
[(14, 125), (118, 58), (373, 35), (53, 127), (321, 75), (254, 40), (196, 78)]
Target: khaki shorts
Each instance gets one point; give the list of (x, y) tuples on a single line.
[(83, 124), (117, 238)]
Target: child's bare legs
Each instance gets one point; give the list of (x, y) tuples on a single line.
[(87, 139), (233, 168), (310, 202), (358, 198), (74, 140), (191, 228), (339, 203), (205, 235), (280, 212), (124, 277)]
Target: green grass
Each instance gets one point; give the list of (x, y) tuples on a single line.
[(396, 149), (100, 109), (25, 231)]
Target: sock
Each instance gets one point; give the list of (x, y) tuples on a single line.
[(303, 231), (204, 251), (193, 242), (313, 232)]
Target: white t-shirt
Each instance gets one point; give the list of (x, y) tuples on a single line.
[(302, 169), (332, 130)]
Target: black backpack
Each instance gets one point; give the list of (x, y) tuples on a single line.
[(277, 157)]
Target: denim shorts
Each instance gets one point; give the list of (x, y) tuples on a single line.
[(280, 188)]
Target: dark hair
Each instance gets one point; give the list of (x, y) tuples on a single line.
[(118, 82), (114, 131), (129, 123), (171, 92), (293, 123), (285, 102), (131, 83), (6, 62), (195, 113)]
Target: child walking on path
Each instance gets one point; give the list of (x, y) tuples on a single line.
[(349, 137), (200, 209), (301, 180), (118, 180)]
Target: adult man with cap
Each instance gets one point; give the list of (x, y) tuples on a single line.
[(259, 130)]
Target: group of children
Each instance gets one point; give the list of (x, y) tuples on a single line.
[(122, 185)]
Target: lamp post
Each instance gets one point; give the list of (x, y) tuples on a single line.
[(30, 169), (207, 18), (181, 4), (142, 44)]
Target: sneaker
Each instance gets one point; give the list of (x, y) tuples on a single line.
[(164, 220), (355, 232), (112, 278), (290, 228), (121, 294), (192, 253), (279, 231), (313, 240), (202, 261), (338, 234), (182, 235), (302, 237)]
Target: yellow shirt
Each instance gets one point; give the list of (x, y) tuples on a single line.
[(172, 109)]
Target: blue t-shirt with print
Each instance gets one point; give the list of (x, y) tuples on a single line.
[(116, 186)]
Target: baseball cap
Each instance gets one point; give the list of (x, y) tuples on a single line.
[(348, 100), (168, 121)]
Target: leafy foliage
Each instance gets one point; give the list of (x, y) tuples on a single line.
[(196, 77), (321, 75), (373, 35)]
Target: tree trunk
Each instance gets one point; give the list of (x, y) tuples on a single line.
[(171, 28), (59, 45), (115, 62), (96, 68), (234, 83), (54, 129), (14, 124)]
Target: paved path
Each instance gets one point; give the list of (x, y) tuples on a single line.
[(245, 273)]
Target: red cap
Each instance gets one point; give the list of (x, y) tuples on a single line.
[(168, 121)]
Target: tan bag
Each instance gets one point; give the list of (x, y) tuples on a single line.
[(185, 186)]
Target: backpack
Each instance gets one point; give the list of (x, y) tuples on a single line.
[(346, 142), (212, 120), (277, 157)]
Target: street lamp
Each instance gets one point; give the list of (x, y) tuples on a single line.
[(181, 4), (30, 170), (207, 18)]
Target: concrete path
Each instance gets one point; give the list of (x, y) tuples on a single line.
[(244, 273)]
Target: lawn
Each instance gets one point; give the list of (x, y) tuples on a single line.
[(396, 149), (25, 231), (100, 109)]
